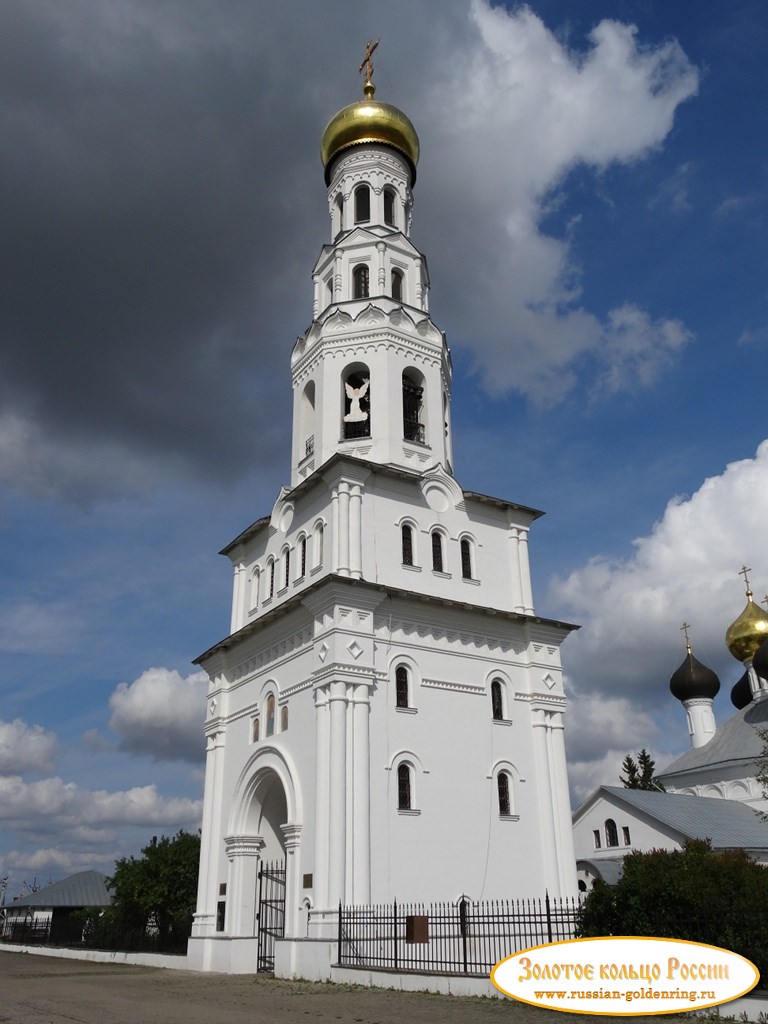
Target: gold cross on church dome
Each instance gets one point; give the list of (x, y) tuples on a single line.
[(370, 46), (743, 572), (684, 629)]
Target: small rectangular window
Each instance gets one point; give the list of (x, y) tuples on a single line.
[(625, 830), (596, 834)]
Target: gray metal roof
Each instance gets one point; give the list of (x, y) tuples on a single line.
[(734, 741), (727, 823), (85, 889)]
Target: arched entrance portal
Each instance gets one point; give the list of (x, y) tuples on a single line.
[(270, 812), (262, 848)]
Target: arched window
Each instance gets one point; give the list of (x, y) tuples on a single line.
[(611, 833), (253, 596), (308, 420), (255, 730), (406, 534), (502, 784), (360, 281), (466, 558), (389, 207), (319, 544), (401, 687), (397, 285), (437, 551), (270, 715), (357, 403), (497, 700), (413, 393), (302, 558), (338, 214), (287, 567), (403, 787), (271, 577), (362, 204), (283, 719)]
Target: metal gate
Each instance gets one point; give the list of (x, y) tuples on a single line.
[(271, 913)]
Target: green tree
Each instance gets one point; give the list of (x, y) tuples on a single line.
[(693, 893), (761, 769), (153, 896), (640, 774)]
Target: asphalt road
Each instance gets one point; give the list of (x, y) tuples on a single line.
[(45, 990)]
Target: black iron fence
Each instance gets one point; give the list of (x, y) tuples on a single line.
[(26, 932), (450, 938)]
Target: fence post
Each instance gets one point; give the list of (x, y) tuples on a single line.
[(395, 913), (463, 928), (339, 935), (549, 915)]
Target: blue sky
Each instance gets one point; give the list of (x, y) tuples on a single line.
[(592, 202)]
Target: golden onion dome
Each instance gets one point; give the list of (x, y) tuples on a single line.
[(744, 636), (369, 121)]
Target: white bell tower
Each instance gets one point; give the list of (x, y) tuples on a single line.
[(372, 374), (385, 718)]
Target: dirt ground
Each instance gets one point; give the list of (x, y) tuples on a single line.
[(45, 990)]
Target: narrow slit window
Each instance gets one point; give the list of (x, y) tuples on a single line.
[(287, 568), (596, 837), (302, 558), (407, 540), (466, 559), (403, 788), (397, 285), (437, 552), (625, 830), (283, 719), (401, 687), (270, 730), (503, 787), (272, 578), (497, 703), (389, 207)]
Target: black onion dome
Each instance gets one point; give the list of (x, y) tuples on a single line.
[(693, 679), (741, 693), (760, 660)]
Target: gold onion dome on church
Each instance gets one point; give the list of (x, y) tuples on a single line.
[(369, 121), (747, 632)]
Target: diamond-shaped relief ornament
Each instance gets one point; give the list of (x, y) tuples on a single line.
[(212, 707), (322, 651), (549, 681), (355, 649)]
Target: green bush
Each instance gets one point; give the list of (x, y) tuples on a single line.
[(693, 893)]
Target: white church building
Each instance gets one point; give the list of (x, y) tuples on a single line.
[(385, 719)]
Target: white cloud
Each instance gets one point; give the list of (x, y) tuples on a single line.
[(34, 627), (161, 714), (601, 730), (638, 349), (685, 569), (25, 748), (52, 806), (519, 111)]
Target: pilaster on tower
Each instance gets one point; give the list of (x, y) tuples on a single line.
[(372, 374)]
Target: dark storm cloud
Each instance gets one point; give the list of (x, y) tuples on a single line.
[(145, 233)]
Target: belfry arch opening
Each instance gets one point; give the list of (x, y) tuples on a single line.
[(356, 399), (413, 406), (307, 420)]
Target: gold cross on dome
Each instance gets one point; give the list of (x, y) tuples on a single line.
[(743, 572), (367, 62), (684, 629), (765, 601)]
